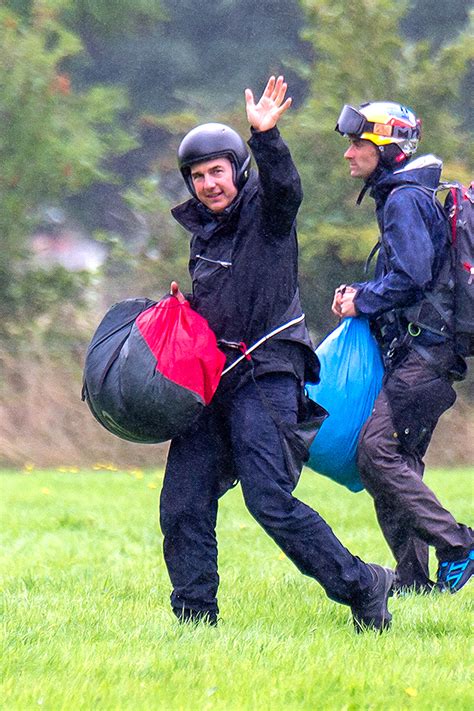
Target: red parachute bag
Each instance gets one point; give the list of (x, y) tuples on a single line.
[(150, 369)]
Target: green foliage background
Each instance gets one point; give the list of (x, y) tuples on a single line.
[(96, 95)]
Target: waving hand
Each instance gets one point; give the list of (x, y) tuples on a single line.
[(272, 104)]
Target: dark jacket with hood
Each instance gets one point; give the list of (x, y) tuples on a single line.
[(413, 244), (244, 264)]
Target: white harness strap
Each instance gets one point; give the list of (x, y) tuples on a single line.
[(262, 340)]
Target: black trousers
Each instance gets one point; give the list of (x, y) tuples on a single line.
[(237, 436), (392, 444)]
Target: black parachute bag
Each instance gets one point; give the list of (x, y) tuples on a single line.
[(150, 369)]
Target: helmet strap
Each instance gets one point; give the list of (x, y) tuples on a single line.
[(370, 180), (391, 156), (362, 193)]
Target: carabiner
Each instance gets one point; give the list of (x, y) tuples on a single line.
[(413, 329)]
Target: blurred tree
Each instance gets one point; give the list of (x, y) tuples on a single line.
[(175, 55), (437, 23), (53, 140), (169, 57)]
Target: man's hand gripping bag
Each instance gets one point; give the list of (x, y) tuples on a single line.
[(150, 369), (351, 378)]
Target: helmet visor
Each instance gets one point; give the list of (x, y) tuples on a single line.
[(350, 121)]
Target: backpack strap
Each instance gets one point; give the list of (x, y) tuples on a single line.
[(372, 254), (444, 278), (430, 192), (416, 315)]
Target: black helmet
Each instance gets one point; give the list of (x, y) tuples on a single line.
[(211, 140)]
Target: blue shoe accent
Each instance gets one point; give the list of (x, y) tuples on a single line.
[(453, 575)]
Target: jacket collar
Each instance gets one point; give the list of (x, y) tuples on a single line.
[(425, 170)]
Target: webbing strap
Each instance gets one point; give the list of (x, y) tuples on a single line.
[(372, 254), (261, 341)]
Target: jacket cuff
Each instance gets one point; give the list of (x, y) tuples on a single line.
[(359, 296), (257, 136)]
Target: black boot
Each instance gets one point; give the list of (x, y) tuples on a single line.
[(187, 615), (371, 611)]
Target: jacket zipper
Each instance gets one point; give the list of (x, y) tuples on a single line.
[(221, 263)]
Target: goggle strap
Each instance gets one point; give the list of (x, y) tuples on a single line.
[(384, 130)]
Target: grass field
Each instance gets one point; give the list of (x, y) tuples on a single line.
[(87, 624)]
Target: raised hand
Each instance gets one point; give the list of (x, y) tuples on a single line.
[(272, 105)]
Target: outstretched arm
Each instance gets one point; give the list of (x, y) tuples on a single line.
[(280, 185), (272, 104)]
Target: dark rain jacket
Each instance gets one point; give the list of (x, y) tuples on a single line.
[(413, 243), (244, 264)]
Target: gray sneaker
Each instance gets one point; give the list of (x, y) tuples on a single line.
[(371, 611)]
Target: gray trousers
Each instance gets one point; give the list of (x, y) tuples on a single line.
[(391, 446)]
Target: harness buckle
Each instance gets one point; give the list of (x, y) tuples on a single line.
[(230, 344)]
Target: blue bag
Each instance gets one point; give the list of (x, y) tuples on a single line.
[(351, 378)]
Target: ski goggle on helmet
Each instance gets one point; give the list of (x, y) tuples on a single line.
[(383, 123)]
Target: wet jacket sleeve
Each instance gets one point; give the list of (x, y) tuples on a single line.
[(407, 253), (280, 184)]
